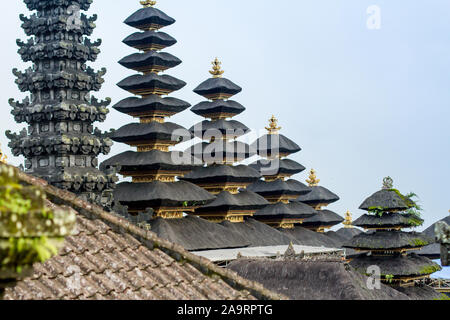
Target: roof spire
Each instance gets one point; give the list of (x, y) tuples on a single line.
[(148, 3), (3, 157), (348, 220), (273, 126), (313, 181), (217, 71), (388, 183)]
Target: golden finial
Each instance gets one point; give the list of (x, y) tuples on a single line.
[(273, 126), (388, 183), (348, 220), (147, 3), (3, 156), (312, 181), (217, 71)]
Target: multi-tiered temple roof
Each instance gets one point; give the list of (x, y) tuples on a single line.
[(221, 151), (153, 167), (277, 187), (387, 243), (318, 198), (61, 144)]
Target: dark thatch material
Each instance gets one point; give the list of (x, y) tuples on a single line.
[(207, 108), (214, 86), (318, 195), (420, 293), (222, 174), (155, 194), (348, 233), (196, 234), (278, 188), (277, 167), (275, 144), (135, 105), (145, 17), (147, 39), (388, 240), (387, 199), (432, 251), (225, 201), (293, 210), (220, 128), (220, 150), (388, 220), (138, 61), (131, 161), (152, 131), (399, 266), (306, 237), (312, 280), (323, 218), (259, 234), (343, 235), (137, 83)]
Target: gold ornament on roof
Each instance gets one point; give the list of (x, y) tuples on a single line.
[(312, 180), (348, 220), (148, 3), (3, 156), (273, 126), (217, 71)]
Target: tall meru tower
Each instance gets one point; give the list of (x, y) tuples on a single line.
[(61, 144)]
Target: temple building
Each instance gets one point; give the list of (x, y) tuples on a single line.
[(61, 144), (318, 198), (221, 151), (388, 245), (277, 187), (153, 168)]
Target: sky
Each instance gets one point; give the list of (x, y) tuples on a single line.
[(365, 93)]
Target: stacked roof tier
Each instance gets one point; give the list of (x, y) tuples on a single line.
[(388, 245), (318, 198), (61, 144), (277, 187), (221, 151), (153, 167)]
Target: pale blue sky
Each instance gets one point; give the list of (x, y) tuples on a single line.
[(363, 104)]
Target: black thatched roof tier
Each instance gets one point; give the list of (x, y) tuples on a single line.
[(318, 195), (141, 196), (141, 162), (153, 104), (220, 151), (259, 234), (230, 129), (225, 201), (149, 18), (387, 221), (149, 40), (272, 145), (149, 61), (323, 219), (312, 280), (388, 240), (153, 131), (222, 174), (386, 199), (348, 233), (279, 188), (196, 234), (217, 88), (410, 266), (213, 109), (151, 84), (293, 210), (306, 237), (277, 167)]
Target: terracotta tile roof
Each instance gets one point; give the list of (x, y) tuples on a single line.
[(109, 258)]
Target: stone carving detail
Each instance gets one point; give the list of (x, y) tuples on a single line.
[(61, 143)]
